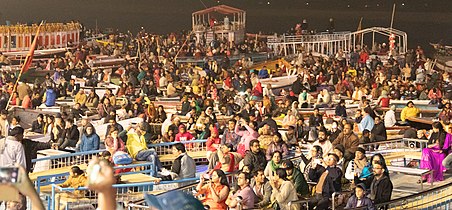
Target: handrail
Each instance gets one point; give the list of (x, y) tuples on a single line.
[(404, 199), (68, 155), (173, 143)]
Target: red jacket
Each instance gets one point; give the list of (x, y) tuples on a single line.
[(210, 142)]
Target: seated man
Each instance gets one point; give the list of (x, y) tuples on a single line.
[(137, 147), (244, 197), (255, 157), (183, 166), (329, 181), (349, 140), (262, 188)]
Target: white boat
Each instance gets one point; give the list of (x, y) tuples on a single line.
[(279, 82)]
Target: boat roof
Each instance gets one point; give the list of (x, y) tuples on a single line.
[(223, 9)]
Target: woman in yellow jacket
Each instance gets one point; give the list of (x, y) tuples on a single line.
[(409, 111)]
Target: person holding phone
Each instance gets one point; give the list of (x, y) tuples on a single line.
[(216, 191), (22, 184)]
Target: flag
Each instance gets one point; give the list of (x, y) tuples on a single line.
[(359, 36), (29, 57)]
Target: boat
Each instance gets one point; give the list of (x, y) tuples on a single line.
[(108, 61), (37, 53), (279, 82)]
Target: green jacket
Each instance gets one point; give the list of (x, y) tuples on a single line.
[(301, 186)]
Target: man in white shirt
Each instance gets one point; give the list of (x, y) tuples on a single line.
[(390, 119), (323, 142), (11, 150)]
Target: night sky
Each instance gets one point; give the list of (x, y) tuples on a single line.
[(424, 20)]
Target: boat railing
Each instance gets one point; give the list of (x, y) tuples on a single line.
[(307, 38), (147, 168), (125, 193), (396, 145), (64, 160), (436, 198), (197, 149)]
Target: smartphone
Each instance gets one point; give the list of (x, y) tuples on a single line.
[(206, 176), (9, 174)]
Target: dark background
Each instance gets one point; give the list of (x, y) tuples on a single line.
[(424, 20)]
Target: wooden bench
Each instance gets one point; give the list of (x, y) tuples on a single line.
[(412, 171)]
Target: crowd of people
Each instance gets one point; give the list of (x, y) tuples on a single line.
[(250, 139)]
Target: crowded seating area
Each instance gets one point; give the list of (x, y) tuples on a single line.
[(332, 138)]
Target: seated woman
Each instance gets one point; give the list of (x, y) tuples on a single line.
[(356, 165), (289, 120), (273, 164), (216, 191), (434, 154), (367, 176), (284, 191), (38, 124), (113, 143), (70, 135), (316, 155)]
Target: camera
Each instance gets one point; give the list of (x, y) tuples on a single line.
[(9, 174)]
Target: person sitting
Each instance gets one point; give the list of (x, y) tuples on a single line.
[(378, 132), (315, 156), (290, 137), (262, 188), (76, 179), (38, 125), (283, 193), (228, 160), (289, 120), (409, 111), (70, 135), (323, 142), (433, 156), (381, 187), (246, 135), (112, 124), (113, 143), (229, 136), (367, 122), (244, 197), (263, 73), (183, 135), (277, 145), (213, 144), (359, 199), (183, 166), (341, 110), (90, 140), (356, 165), (329, 181), (349, 140), (216, 192), (390, 119), (366, 176), (77, 111), (273, 164), (255, 157), (137, 147), (297, 178)]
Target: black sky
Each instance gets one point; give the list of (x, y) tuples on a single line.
[(424, 20)]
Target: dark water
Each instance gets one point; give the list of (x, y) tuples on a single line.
[(424, 20)]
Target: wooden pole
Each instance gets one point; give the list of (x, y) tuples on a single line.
[(29, 56)]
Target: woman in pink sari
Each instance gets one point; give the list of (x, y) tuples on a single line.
[(439, 147)]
